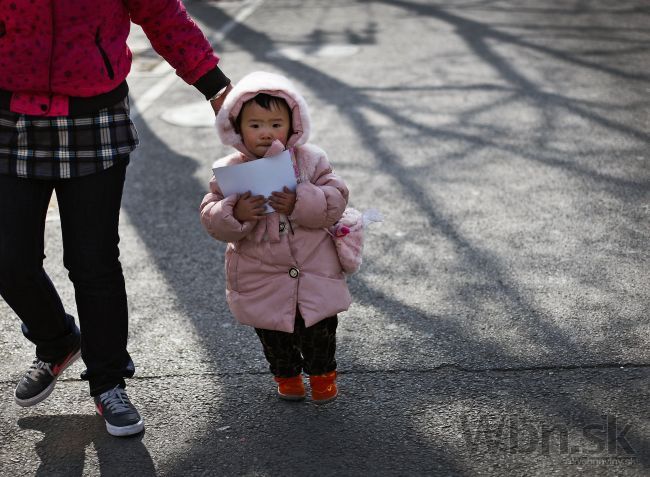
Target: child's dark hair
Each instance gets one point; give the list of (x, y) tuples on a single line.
[(267, 102)]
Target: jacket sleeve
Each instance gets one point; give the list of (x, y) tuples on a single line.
[(320, 202), (175, 36), (218, 218)]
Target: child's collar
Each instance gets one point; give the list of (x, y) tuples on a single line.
[(276, 148)]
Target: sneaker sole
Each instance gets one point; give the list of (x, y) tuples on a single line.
[(125, 430), (289, 397), (48, 390), (325, 401)]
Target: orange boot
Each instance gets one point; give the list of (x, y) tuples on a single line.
[(323, 387), (291, 388)]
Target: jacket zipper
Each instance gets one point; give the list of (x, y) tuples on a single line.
[(107, 63)]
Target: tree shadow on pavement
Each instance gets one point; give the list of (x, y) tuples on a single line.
[(379, 421), (534, 324), (482, 262), (66, 438)]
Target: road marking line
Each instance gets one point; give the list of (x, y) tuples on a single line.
[(157, 90)]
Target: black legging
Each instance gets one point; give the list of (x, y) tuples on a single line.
[(310, 349)]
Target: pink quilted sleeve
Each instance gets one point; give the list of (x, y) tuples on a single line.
[(321, 202), (218, 219)]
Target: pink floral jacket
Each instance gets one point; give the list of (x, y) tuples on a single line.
[(53, 49)]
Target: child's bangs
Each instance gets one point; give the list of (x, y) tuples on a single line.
[(270, 102)]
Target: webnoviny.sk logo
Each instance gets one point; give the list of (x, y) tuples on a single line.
[(520, 435)]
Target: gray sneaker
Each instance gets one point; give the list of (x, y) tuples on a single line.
[(40, 379), (122, 418)]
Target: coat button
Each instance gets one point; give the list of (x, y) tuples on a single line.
[(282, 226), (43, 107), (294, 272)]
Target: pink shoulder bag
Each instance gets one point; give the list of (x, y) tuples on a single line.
[(348, 235)]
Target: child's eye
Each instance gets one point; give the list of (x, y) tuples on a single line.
[(277, 125)]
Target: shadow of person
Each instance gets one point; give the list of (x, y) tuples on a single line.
[(62, 450)]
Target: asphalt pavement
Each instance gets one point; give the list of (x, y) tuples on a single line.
[(500, 323)]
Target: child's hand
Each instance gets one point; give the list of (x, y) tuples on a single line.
[(249, 207), (283, 202)]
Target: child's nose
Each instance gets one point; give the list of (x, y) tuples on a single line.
[(267, 132)]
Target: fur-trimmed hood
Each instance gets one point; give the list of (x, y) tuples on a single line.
[(250, 86)]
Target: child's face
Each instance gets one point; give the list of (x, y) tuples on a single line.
[(260, 127)]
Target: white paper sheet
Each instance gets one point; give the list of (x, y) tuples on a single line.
[(261, 177)]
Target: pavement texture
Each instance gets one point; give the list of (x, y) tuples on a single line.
[(500, 323)]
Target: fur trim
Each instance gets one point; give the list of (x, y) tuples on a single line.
[(263, 82)]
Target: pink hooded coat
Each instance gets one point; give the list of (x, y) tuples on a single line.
[(270, 273)]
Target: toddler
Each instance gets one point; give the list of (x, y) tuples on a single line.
[(283, 275)]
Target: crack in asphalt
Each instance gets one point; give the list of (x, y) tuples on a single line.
[(444, 366)]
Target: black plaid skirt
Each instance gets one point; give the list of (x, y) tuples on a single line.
[(60, 147)]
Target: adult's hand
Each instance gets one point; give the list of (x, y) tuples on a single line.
[(217, 103)]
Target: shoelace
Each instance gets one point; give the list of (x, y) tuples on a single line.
[(38, 368), (116, 400)]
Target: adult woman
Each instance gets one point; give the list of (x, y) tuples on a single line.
[(65, 127)]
